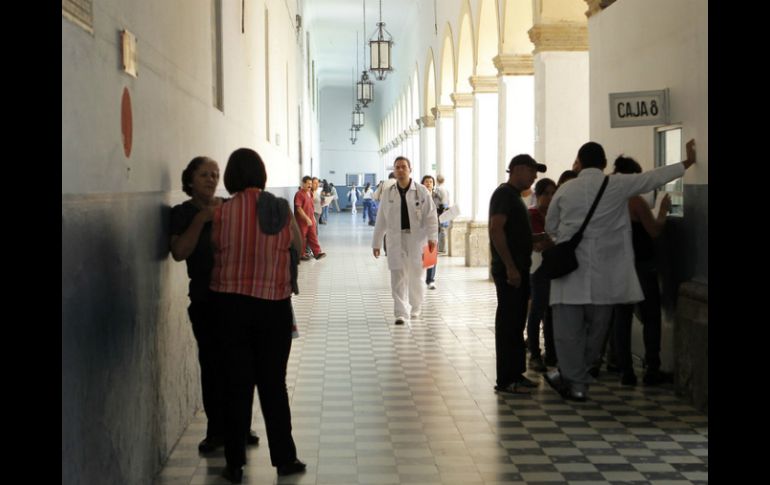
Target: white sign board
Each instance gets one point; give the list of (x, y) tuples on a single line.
[(640, 108)]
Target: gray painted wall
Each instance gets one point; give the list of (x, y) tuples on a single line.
[(129, 360), (130, 377)]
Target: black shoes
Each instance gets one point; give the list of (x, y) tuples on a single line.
[(292, 468), (522, 385), (628, 378), (554, 379), (655, 377), (320, 255), (536, 364), (233, 473), (210, 443)]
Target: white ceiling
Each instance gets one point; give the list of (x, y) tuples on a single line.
[(333, 25)]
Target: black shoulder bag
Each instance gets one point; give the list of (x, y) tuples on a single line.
[(560, 260)]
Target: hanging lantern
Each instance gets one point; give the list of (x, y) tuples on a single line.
[(365, 90), (358, 118), (380, 45), (353, 135)]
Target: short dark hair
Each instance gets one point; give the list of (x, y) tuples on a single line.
[(591, 155), (401, 157), (392, 175), (566, 176), (625, 164), (542, 185), (428, 177), (306, 178), (189, 172), (245, 169)]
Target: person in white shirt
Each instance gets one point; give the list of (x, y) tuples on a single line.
[(443, 196), (408, 215), (353, 198), (582, 300), (336, 197)]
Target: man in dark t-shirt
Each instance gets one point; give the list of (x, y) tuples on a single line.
[(510, 237)]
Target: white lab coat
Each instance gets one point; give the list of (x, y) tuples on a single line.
[(422, 221), (606, 274)]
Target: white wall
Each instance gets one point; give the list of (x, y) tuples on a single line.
[(337, 153), (640, 45), (174, 118), (562, 123)]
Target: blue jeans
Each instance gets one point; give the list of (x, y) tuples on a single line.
[(430, 275), (372, 211), (367, 208), (324, 214), (540, 310)]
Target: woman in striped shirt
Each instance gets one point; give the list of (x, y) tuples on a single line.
[(252, 234)]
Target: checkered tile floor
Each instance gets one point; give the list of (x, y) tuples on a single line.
[(375, 403)]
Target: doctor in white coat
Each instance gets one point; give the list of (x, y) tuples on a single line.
[(582, 300), (407, 215)]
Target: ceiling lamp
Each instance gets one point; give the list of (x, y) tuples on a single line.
[(380, 45), (353, 135), (364, 87), (358, 117)]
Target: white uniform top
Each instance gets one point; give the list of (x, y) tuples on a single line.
[(423, 223), (606, 274)]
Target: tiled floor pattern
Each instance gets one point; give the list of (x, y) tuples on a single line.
[(373, 403)]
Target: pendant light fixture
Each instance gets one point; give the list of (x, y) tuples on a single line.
[(365, 87), (357, 114), (380, 45)]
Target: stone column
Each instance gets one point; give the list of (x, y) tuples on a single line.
[(462, 195), (561, 93), (445, 143), (485, 113), (516, 89), (427, 147)]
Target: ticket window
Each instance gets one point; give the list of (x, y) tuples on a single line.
[(669, 149)]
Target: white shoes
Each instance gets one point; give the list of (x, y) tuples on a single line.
[(431, 286), (416, 313)]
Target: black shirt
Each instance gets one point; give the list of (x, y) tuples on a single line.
[(404, 208), (201, 261), (644, 247), (518, 231)]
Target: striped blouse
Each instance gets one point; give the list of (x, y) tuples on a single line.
[(247, 261)]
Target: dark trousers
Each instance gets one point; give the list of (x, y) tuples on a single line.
[(649, 312), (510, 320), (372, 210), (430, 274), (540, 311), (205, 328), (257, 342)]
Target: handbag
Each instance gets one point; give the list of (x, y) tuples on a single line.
[(561, 260)]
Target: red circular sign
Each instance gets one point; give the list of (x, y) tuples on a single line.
[(126, 122)]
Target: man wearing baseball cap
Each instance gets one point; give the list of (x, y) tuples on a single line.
[(510, 236)]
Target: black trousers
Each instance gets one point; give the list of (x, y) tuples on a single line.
[(257, 342), (204, 325), (649, 311), (510, 320)]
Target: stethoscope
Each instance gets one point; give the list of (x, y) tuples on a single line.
[(395, 186)]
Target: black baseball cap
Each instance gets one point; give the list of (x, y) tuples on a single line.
[(524, 159)]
